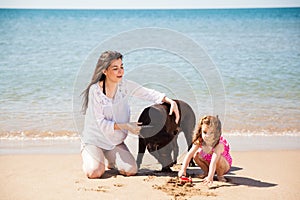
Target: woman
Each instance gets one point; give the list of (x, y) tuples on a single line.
[(107, 117)]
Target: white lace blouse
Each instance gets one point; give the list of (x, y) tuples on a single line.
[(103, 112)]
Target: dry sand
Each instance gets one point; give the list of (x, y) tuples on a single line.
[(254, 175)]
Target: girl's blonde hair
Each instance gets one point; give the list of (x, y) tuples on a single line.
[(211, 121)]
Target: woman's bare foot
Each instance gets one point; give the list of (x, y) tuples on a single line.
[(111, 166), (221, 179)]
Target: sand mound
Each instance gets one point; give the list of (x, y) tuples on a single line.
[(179, 191)]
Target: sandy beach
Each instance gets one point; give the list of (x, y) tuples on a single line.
[(254, 175)]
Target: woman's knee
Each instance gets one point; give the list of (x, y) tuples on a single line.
[(129, 170), (94, 171), (128, 173), (93, 161)]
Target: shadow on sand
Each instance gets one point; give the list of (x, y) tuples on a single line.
[(237, 180), (233, 180)]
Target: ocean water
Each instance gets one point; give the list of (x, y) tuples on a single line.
[(256, 53)]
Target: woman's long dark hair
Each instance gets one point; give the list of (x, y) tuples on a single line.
[(103, 63)]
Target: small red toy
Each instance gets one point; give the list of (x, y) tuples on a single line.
[(184, 180)]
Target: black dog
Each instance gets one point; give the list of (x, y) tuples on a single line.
[(159, 132)]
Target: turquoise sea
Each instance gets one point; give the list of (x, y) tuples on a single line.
[(256, 52)]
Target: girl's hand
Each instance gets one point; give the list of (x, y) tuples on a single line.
[(208, 181), (181, 173)]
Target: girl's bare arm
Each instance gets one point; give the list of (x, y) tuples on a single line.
[(213, 163), (187, 160)]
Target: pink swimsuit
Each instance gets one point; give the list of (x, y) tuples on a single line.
[(225, 154)]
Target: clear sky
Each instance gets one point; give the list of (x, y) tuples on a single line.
[(138, 4)]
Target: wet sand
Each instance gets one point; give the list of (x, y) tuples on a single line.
[(72, 146)]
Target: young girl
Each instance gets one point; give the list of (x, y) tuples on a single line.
[(210, 150)]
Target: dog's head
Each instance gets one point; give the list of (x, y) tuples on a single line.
[(156, 121), (208, 131)]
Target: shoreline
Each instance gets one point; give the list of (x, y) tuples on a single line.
[(72, 146)]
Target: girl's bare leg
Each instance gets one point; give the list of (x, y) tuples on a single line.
[(203, 164), (222, 168)]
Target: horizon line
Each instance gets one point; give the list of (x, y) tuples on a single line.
[(151, 8)]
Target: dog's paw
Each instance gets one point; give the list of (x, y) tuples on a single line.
[(166, 169)]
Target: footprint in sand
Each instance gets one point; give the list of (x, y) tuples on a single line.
[(97, 189), (118, 185)]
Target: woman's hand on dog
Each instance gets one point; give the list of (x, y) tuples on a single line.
[(173, 108)]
